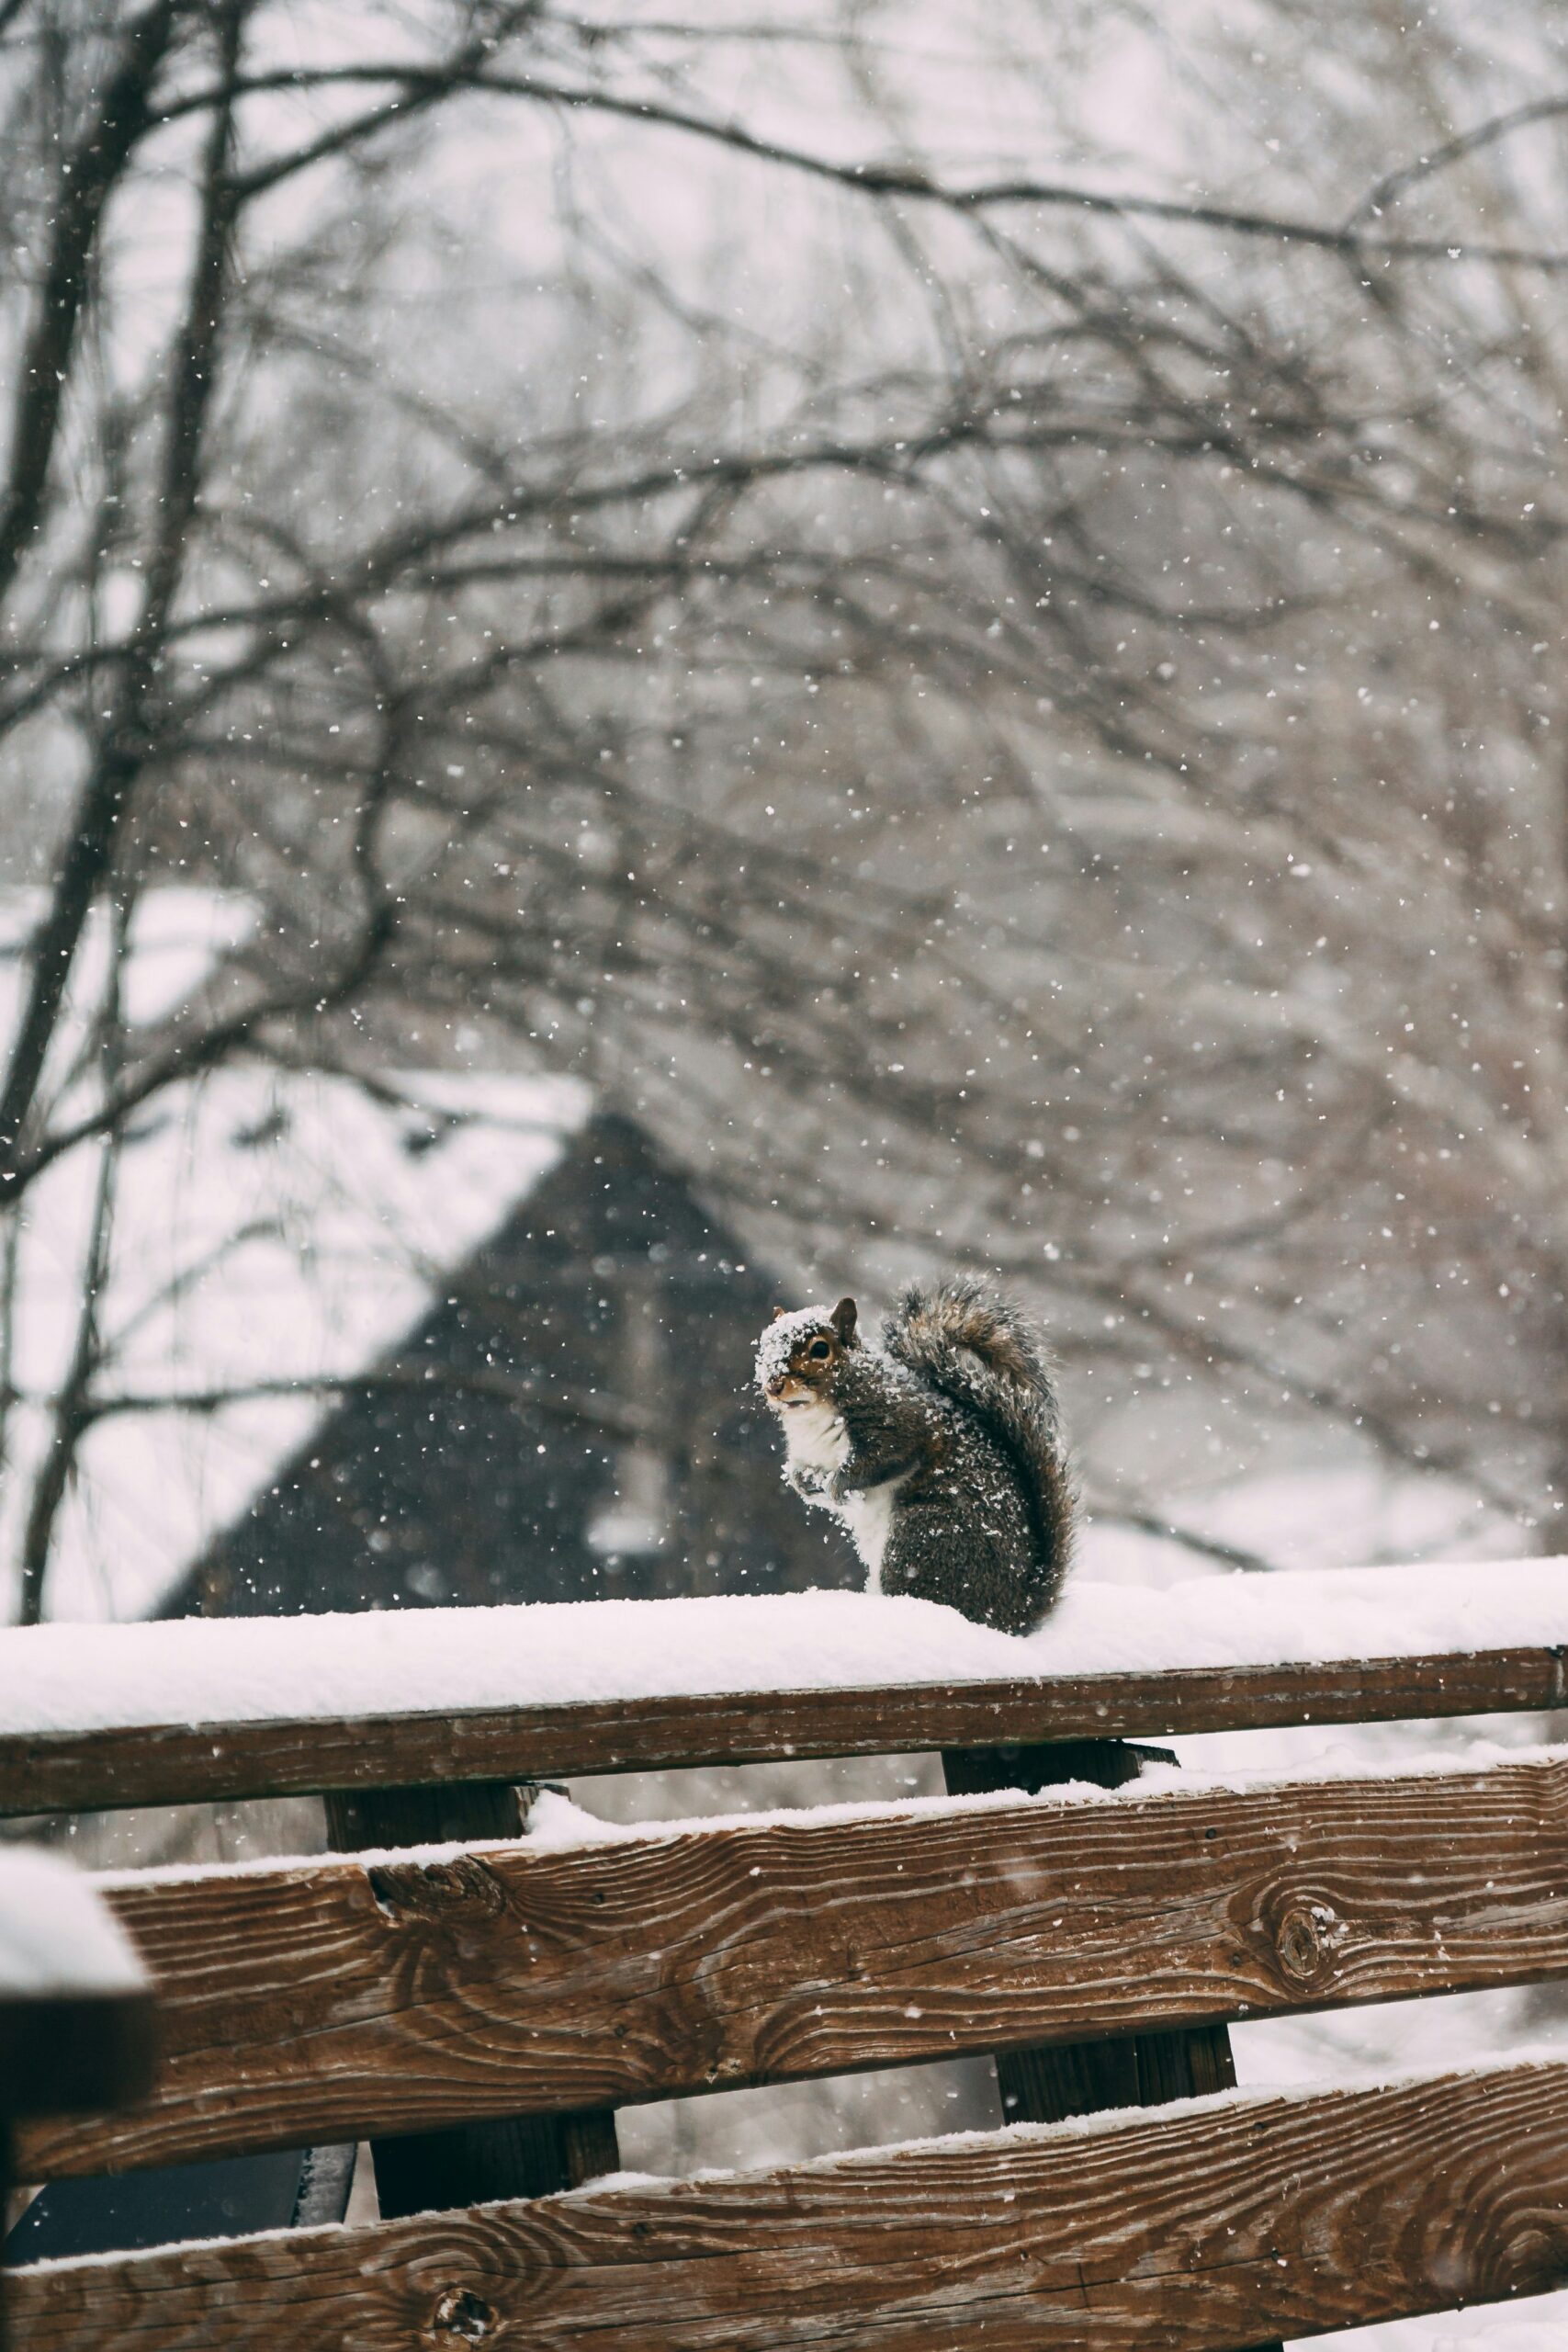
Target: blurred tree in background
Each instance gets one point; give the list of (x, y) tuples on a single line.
[(964, 617)]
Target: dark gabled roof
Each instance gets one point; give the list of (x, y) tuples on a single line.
[(418, 1491)]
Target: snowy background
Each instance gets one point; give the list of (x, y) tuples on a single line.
[(961, 620)]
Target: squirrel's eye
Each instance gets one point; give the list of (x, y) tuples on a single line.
[(820, 1347)]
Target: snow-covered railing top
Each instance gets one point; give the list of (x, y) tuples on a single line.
[(205, 1708), (57, 1938), (75, 2011)]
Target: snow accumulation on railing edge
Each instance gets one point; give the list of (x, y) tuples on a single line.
[(81, 1678), (57, 1939), (558, 1824)]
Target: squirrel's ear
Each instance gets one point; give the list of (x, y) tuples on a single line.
[(778, 1314), (843, 1321)]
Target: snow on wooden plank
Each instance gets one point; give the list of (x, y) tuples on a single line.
[(57, 1936), (75, 1678), (200, 1709), (1201, 2226), (171, 1764), (507, 1981), (74, 2008)]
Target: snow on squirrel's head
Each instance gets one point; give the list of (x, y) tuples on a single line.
[(799, 1353)]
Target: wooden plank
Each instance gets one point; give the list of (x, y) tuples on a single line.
[(194, 1763), (1192, 2230), (321, 2001), (1050, 2084), (497, 2156)]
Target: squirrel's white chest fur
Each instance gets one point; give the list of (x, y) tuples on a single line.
[(869, 1518), (814, 1434), (816, 1440)]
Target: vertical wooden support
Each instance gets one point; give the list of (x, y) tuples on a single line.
[(6, 2146), (1124, 2070), (68, 2050), (467, 2164)]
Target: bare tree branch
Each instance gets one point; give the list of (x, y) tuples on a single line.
[(90, 176)]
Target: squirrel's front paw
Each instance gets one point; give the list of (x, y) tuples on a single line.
[(808, 1480)]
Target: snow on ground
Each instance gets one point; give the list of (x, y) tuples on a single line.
[(1317, 1515), (250, 1670), (270, 1226), (1540, 2325)]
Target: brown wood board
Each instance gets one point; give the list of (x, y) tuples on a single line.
[(1047, 2084), (194, 1763), (1193, 2230), (1065, 2078), (466, 2163), (333, 1999)]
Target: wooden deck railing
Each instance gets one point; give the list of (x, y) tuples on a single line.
[(102, 1742), (480, 2011)]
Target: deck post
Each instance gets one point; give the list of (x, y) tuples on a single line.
[(467, 2164), (5, 2183), (1047, 2086)]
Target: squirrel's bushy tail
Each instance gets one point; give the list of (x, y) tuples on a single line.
[(980, 1350)]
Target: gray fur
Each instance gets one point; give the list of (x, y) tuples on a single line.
[(955, 1406)]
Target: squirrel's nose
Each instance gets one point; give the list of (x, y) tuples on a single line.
[(776, 1386)]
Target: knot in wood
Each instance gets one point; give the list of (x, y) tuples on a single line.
[(1529, 2257), (463, 2314), (434, 1890), (1303, 1941)]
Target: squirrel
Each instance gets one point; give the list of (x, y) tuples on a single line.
[(939, 1450)]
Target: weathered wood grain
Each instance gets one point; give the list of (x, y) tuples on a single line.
[(1048, 2085), (1193, 2230), (325, 2001), (1061, 2079), (190, 1764), (496, 2156), (1065, 2079)]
